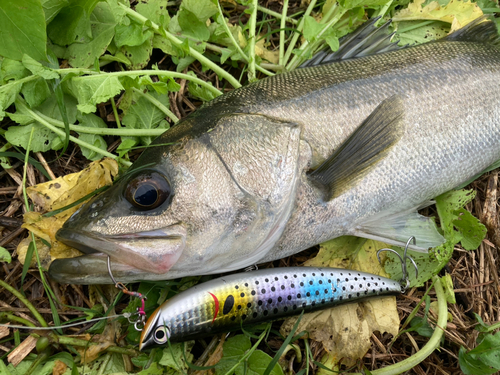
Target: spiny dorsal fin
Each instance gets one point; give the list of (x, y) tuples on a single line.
[(365, 40), (481, 30), (365, 147)]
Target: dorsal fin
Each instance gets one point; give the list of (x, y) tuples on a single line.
[(365, 40), (481, 30), (364, 148)]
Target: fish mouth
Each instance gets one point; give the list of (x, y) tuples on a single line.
[(131, 254)]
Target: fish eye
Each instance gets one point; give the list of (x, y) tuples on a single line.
[(161, 335), (147, 191)]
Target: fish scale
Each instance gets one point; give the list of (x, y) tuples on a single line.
[(245, 298)]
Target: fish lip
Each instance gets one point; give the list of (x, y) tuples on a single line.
[(90, 243)]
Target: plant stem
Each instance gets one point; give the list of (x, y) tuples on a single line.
[(112, 349), (123, 132), (45, 123), (175, 41), (431, 345), (41, 358), (27, 303), (115, 113), (157, 103), (282, 33), (291, 46), (281, 17), (251, 42), (14, 318)]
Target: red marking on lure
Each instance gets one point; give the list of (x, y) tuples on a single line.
[(216, 307)]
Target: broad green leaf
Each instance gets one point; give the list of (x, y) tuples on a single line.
[(311, 28), (202, 9), (38, 69), (5, 255), (154, 10), (50, 108), (154, 369), (449, 292), (471, 229), (483, 359), (93, 121), (472, 366), (234, 349), (52, 7), (409, 32), (44, 140), (22, 29), (36, 92), (139, 55), (132, 34), (72, 22), (12, 70), (8, 95), (142, 114), (103, 22), (172, 356), (192, 26), (200, 92), (92, 90), (21, 368), (164, 44)]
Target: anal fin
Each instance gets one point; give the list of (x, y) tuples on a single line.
[(396, 229), (364, 148)]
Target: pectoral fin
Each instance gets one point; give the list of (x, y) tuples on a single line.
[(363, 149)]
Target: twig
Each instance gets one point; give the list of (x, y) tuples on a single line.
[(40, 157)]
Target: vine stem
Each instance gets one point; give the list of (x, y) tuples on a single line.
[(172, 38), (45, 123), (251, 44), (431, 345), (24, 300)]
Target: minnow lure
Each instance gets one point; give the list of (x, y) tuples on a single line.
[(223, 304)]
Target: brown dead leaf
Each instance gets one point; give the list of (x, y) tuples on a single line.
[(262, 51), (345, 330), (57, 194), (4, 332), (59, 367), (20, 352)]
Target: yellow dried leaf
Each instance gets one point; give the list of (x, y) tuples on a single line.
[(345, 330), (57, 194), (262, 51), (43, 252), (458, 13)]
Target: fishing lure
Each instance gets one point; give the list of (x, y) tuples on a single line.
[(223, 304)]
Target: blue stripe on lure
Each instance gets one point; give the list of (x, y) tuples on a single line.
[(223, 304)]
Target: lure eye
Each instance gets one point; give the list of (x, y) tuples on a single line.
[(161, 335), (147, 191)]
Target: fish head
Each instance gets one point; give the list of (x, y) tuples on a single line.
[(200, 203)]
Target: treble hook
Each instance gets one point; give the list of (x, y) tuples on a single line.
[(141, 321), (403, 260)]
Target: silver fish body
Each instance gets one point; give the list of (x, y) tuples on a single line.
[(226, 303), (238, 170)]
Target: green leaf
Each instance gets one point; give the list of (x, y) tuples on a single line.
[(449, 292), (38, 69), (52, 7), (470, 228), (12, 70), (131, 34), (143, 114), (72, 22), (23, 29), (5, 255), (8, 95), (484, 359), (192, 26), (154, 369), (92, 90), (103, 22), (172, 356), (311, 28), (44, 140), (202, 9), (472, 366), (416, 32), (36, 92), (233, 351), (154, 10), (200, 92), (92, 121), (139, 55)]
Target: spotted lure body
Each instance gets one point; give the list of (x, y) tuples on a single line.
[(251, 297)]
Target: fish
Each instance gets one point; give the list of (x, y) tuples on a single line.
[(227, 303), (354, 143)]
